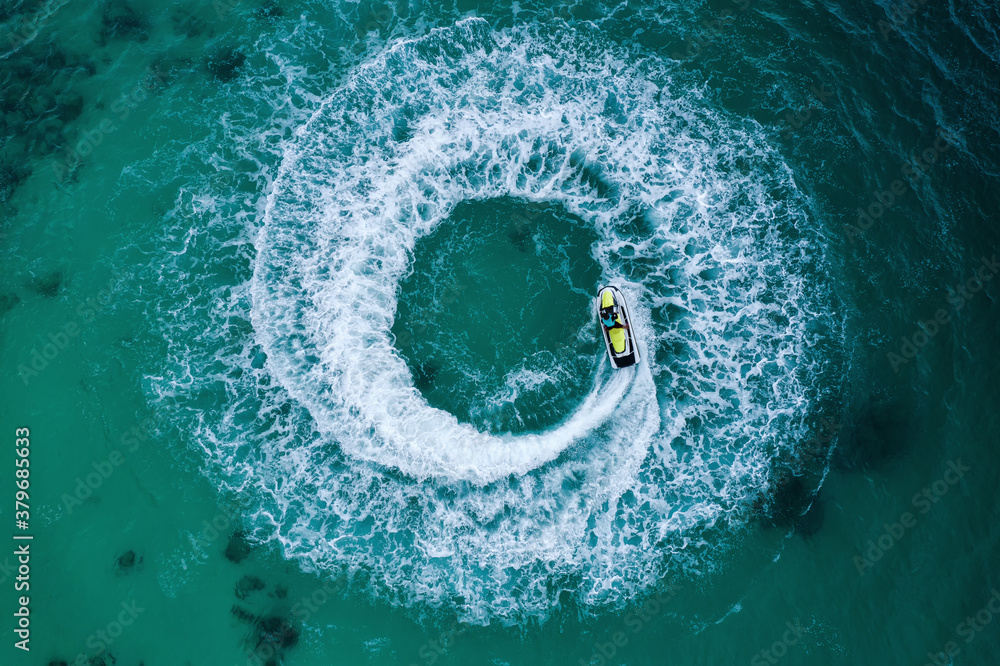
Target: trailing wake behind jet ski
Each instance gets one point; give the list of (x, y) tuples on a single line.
[(616, 327)]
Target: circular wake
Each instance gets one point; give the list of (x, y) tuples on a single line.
[(696, 218)]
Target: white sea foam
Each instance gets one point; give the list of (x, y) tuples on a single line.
[(697, 219)]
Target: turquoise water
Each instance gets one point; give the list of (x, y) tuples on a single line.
[(495, 321), (297, 309)]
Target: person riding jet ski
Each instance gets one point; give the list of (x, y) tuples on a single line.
[(610, 319), (613, 313)]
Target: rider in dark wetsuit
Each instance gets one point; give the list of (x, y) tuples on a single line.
[(611, 321)]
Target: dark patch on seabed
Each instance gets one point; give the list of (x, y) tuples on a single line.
[(792, 504), (793, 500), (225, 64), (120, 21), (8, 302), (871, 437), (187, 24), (269, 12), (248, 584), (128, 562), (425, 376), (39, 107), (238, 548), (519, 235), (271, 629), (11, 175), (811, 521), (875, 436), (47, 285)]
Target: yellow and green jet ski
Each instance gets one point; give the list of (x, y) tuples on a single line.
[(616, 327)]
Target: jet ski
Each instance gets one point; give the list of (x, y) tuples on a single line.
[(619, 338)]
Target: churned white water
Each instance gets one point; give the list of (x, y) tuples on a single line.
[(698, 221)]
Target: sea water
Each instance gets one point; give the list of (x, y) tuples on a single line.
[(297, 306)]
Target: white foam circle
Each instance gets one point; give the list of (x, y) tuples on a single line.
[(695, 216)]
